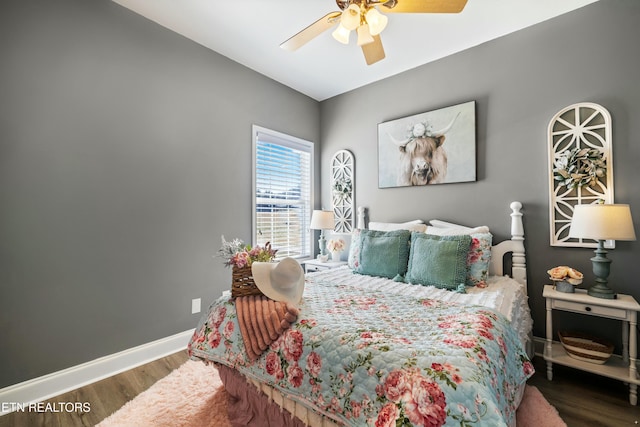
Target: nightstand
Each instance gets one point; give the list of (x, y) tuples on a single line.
[(624, 308), (315, 265)]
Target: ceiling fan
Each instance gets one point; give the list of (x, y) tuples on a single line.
[(365, 18)]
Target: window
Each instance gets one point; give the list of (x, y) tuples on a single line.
[(282, 189)]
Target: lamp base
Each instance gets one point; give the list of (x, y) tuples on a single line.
[(601, 291), (601, 268), (321, 243)]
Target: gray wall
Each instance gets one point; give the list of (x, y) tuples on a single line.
[(518, 82), (125, 153)]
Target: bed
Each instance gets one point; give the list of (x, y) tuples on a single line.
[(371, 347)]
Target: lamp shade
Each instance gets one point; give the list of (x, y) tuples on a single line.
[(364, 36), (322, 220), (350, 18), (602, 222), (341, 34), (376, 21)]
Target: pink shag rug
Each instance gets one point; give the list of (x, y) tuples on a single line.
[(193, 395), (534, 410)]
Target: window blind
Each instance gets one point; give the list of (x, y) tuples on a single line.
[(282, 192)]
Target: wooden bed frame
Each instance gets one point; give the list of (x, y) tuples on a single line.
[(299, 415)]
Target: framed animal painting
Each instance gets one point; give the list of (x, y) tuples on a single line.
[(436, 147)]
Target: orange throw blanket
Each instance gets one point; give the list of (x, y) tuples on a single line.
[(262, 320)]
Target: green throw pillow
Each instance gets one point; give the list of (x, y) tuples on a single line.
[(439, 261), (384, 253)]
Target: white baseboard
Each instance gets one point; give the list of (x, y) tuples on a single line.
[(56, 383)]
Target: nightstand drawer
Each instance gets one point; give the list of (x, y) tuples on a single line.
[(311, 266), (315, 268), (596, 310)]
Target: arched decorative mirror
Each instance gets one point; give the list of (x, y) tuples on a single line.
[(343, 190), (580, 166)]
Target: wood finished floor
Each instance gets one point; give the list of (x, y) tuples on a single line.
[(583, 400), (105, 396)]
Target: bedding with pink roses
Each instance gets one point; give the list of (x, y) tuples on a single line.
[(368, 356)]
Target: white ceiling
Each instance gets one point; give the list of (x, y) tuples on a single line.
[(250, 32)]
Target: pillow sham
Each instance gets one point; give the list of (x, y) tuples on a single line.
[(415, 225), (383, 253), (478, 259), (353, 260), (439, 261), (479, 256), (454, 231), (445, 224)]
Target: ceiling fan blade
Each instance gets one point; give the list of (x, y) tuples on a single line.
[(373, 52), (423, 6), (312, 31)]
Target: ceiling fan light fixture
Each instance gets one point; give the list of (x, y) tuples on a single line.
[(341, 34), (364, 36), (376, 21), (350, 18), (364, 17)]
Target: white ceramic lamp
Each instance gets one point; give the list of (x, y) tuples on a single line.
[(322, 220)]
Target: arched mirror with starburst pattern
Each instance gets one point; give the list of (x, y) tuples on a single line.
[(343, 190), (580, 166)]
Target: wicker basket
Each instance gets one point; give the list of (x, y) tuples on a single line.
[(586, 347), (242, 283)]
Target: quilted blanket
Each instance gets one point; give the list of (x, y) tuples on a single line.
[(381, 359)]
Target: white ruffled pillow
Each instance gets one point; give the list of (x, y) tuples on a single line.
[(415, 225), (455, 231)]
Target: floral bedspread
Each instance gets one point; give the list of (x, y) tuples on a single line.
[(381, 359)]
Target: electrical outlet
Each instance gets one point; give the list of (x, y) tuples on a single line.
[(195, 305)]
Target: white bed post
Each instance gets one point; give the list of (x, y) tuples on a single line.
[(362, 218), (515, 246), (518, 261)]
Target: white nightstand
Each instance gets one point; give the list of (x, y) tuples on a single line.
[(624, 308), (315, 265)]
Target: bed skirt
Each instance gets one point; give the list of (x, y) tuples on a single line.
[(256, 404)]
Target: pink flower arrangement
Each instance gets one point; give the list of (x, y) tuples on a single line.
[(237, 254), (335, 245)]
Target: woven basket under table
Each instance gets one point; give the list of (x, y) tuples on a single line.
[(586, 347), (242, 283)]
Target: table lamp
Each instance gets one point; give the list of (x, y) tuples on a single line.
[(602, 222), (322, 220)]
